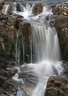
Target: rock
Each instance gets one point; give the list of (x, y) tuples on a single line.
[(18, 7), (60, 22), (24, 27), (8, 72), (37, 9), (12, 71), (56, 87), (29, 78), (6, 26), (9, 26), (3, 17), (7, 37), (24, 37), (7, 87), (61, 9), (66, 70), (1, 3)]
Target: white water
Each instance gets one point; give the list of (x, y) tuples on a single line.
[(46, 49), (44, 43), (5, 9)]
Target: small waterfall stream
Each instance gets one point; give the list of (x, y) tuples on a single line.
[(5, 9), (44, 44)]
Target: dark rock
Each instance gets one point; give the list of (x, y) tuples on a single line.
[(7, 87), (8, 72), (24, 37), (18, 7), (66, 70), (7, 37), (3, 17), (12, 71), (24, 27), (59, 87), (37, 9), (60, 21)]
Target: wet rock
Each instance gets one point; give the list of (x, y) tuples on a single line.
[(63, 39), (59, 87), (7, 87), (2, 47), (66, 70), (37, 9), (12, 71), (8, 72), (21, 91), (24, 37), (60, 21), (24, 27), (30, 78), (18, 7), (61, 25)]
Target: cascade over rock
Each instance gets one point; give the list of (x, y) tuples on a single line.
[(36, 45), (60, 21), (57, 87), (37, 9)]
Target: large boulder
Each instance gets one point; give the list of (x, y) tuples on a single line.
[(61, 9), (61, 25), (1, 5), (60, 21), (8, 35), (37, 9), (7, 87), (57, 87), (7, 32)]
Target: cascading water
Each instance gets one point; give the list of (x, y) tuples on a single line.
[(5, 9), (45, 46), (18, 49)]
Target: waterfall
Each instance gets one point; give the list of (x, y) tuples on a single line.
[(17, 49), (47, 52), (44, 44), (5, 9)]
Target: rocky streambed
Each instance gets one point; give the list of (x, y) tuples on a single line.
[(9, 25)]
